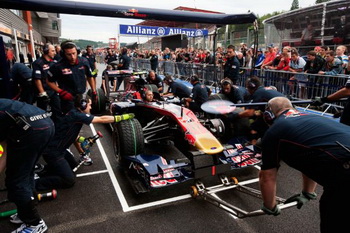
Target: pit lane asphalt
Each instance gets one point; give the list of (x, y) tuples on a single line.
[(102, 200)]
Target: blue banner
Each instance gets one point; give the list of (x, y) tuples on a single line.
[(160, 31)]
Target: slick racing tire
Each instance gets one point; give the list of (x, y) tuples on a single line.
[(98, 105), (128, 139)]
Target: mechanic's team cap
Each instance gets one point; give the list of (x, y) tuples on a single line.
[(270, 46), (226, 81)]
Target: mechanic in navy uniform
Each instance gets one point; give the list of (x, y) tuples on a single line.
[(68, 76), (124, 64), (110, 57), (342, 93), (60, 161), (90, 56), (199, 95), (232, 65), (154, 60), (22, 78), (27, 131), (258, 93), (231, 92), (177, 89), (318, 148), (45, 95), (153, 78)]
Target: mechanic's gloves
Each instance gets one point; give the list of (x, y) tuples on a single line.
[(65, 95), (43, 97), (318, 101), (94, 96), (275, 211), (301, 198), (124, 117), (94, 72)]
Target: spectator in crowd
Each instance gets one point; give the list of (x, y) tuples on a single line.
[(154, 60), (283, 63), (269, 57), (10, 58), (166, 54), (260, 59), (232, 65), (340, 52), (297, 65), (332, 66), (323, 51), (307, 36), (314, 63)]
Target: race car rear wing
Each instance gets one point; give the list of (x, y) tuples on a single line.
[(108, 10)]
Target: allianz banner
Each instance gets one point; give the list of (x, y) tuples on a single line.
[(160, 31)]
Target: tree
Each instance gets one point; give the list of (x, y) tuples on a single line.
[(295, 5), (320, 1)]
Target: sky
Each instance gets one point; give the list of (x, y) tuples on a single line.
[(103, 28)]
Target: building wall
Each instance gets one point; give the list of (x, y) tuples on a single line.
[(11, 20)]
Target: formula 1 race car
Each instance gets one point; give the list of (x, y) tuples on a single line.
[(166, 144)]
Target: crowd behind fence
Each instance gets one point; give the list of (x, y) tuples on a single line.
[(313, 85)]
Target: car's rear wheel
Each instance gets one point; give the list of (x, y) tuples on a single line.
[(128, 139)]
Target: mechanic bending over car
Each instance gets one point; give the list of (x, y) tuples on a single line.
[(258, 93), (318, 148), (153, 78), (27, 130), (68, 76), (232, 92), (177, 89), (199, 95), (60, 162)]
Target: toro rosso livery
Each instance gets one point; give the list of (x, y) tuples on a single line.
[(188, 147)]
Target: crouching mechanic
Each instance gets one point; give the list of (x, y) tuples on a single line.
[(27, 131), (199, 95), (60, 161), (318, 148)]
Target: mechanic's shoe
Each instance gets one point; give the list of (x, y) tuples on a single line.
[(87, 160), (24, 228), (15, 219)]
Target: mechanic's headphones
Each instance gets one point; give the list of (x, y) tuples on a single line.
[(81, 101), (268, 115), (226, 81), (143, 93), (252, 84), (67, 45), (46, 48), (194, 78)]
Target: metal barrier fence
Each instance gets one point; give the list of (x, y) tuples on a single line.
[(296, 85)]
